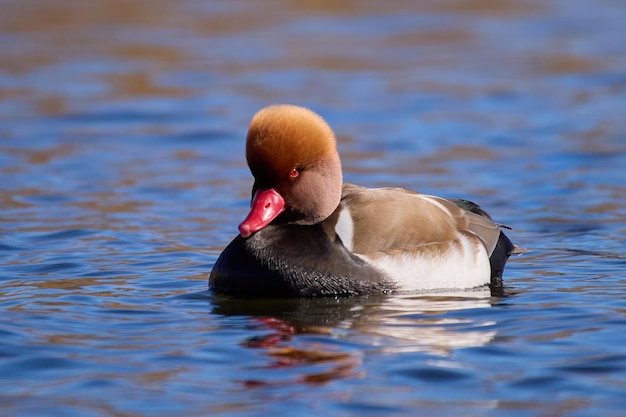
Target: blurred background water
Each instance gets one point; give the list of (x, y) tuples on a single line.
[(122, 170)]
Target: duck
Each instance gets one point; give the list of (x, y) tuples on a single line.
[(309, 234)]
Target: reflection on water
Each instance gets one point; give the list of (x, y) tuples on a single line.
[(123, 176), (422, 323), (382, 324)]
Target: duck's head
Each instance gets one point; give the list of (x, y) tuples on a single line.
[(292, 154)]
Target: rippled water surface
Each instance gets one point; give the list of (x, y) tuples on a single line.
[(123, 176)]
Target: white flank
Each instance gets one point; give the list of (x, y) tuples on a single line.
[(461, 266), (345, 228)]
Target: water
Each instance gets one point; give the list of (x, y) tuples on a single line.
[(123, 177)]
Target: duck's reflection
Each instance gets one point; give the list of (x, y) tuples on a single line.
[(434, 324), (426, 323)]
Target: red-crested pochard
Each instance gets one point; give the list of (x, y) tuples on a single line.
[(308, 234)]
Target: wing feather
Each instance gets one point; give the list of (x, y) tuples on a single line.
[(390, 219)]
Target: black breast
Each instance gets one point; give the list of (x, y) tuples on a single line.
[(289, 260)]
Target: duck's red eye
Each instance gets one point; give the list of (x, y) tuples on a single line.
[(294, 173)]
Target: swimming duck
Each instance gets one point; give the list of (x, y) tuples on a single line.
[(309, 234)]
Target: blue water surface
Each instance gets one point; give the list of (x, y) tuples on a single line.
[(123, 176)]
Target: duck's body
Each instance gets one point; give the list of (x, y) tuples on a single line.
[(309, 235)]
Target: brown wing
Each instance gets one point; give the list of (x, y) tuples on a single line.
[(388, 219)]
